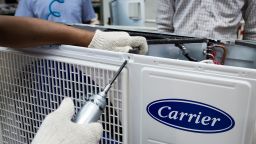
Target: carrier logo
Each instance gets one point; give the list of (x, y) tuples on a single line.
[(190, 116)]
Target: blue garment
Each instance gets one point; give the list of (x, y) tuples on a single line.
[(70, 11)]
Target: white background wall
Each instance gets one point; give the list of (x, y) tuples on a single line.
[(106, 11), (150, 12)]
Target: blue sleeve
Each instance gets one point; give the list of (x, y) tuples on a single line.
[(88, 12), (24, 9)]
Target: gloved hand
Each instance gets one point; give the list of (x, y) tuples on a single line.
[(118, 41), (57, 128)]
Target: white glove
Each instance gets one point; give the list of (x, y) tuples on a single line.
[(57, 128), (118, 41)]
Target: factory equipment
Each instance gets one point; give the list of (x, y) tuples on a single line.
[(8, 9), (127, 12), (169, 96)]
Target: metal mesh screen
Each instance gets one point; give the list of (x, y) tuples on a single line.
[(33, 86)]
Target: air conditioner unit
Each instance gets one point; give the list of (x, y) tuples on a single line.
[(154, 101)]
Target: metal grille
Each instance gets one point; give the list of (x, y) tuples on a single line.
[(33, 86)]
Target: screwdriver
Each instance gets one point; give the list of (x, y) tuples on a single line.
[(96, 104)]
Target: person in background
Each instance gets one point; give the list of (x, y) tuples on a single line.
[(214, 19), (63, 11), (57, 128)]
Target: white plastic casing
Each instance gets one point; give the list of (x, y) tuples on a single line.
[(145, 80)]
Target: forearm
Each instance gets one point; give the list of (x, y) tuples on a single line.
[(19, 32)]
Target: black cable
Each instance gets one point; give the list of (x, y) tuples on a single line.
[(174, 41), (158, 38), (190, 58), (185, 52)]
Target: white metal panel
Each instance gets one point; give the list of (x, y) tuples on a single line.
[(231, 96), (230, 89)]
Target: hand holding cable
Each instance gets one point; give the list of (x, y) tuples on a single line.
[(118, 41)]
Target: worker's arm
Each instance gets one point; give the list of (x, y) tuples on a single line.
[(165, 12), (18, 32), (250, 20)]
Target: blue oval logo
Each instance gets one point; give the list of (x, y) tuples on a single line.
[(190, 116)]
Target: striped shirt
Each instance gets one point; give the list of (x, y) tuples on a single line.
[(215, 19)]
